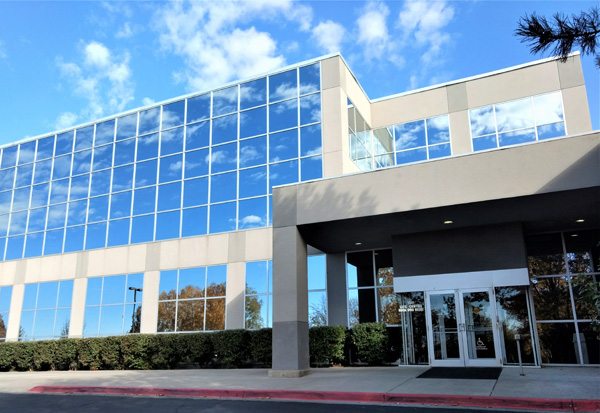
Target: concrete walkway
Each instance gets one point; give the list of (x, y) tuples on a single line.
[(549, 382)]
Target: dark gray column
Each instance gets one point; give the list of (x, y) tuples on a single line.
[(337, 311), (290, 304)]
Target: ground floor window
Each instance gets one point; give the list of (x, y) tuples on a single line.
[(565, 281), (259, 295), (317, 290), (113, 305), (46, 311), (192, 299), (5, 297), (371, 297)]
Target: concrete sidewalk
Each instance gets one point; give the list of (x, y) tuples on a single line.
[(565, 383)]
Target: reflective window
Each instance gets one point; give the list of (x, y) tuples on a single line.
[(126, 125), (79, 186), (173, 114), (224, 157), (41, 172), (24, 175), (253, 152), (37, 219), (310, 140), (283, 115), (120, 204), (149, 121), (56, 216), (100, 183), (82, 162), (283, 145), (196, 163), (253, 122), (222, 217), (9, 156), (64, 143), (517, 122), (124, 152), (169, 196), (5, 297), (7, 177), (283, 86), (225, 101), (195, 192), (223, 187), (253, 182), (53, 242), (224, 129), (118, 232), (167, 225), (113, 305), (170, 168), (122, 178), (102, 157), (192, 299), (144, 200), (253, 93), (171, 141), (33, 245), (317, 290), (283, 173), (105, 132), (26, 154), (258, 295), (98, 210), (95, 236), (145, 173), (84, 137), (194, 222), (311, 168), (46, 310), (197, 135), (142, 229), (198, 108), (252, 213), (45, 149), (147, 147), (62, 167), (310, 79), (310, 109), (74, 238), (77, 212)]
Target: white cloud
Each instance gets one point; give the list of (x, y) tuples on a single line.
[(65, 120), (125, 31), (218, 44), (423, 22), (146, 101), (96, 54), (329, 35), (372, 29), (102, 79)]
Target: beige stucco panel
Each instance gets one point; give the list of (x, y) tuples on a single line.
[(16, 305), (136, 261), (577, 112), (193, 251), (460, 133), (150, 302), (571, 72), (409, 107), (331, 72), (259, 244), (78, 307), (217, 248), (234, 298), (169, 254), (527, 81)]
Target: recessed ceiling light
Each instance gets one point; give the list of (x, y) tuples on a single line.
[(358, 243), (574, 235), (580, 220), (448, 222)]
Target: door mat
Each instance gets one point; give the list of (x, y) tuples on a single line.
[(475, 373)]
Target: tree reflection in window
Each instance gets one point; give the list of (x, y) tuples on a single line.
[(192, 299)]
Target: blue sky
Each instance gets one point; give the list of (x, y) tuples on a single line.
[(65, 63)]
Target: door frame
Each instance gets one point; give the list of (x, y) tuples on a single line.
[(463, 360)]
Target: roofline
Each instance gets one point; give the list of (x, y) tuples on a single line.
[(171, 100), (475, 77)]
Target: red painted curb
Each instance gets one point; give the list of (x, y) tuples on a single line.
[(516, 403)]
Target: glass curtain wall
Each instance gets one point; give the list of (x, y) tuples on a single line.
[(46, 312), (259, 293), (565, 274), (192, 299), (398, 144), (204, 164), (113, 305)]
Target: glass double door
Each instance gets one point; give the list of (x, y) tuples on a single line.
[(461, 326)]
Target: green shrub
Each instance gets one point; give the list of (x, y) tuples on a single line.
[(7, 356), (371, 342), (138, 351), (326, 345), (231, 348), (66, 353), (198, 348), (23, 355), (261, 347), (167, 354), (88, 354), (43, 355)]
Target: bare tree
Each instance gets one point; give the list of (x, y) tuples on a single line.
[(560, 33)]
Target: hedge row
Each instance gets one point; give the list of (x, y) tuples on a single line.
[(366, 343)]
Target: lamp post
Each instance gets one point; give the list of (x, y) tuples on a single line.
[(135, 291)]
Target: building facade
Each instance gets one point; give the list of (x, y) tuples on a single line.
[(465, 216)]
